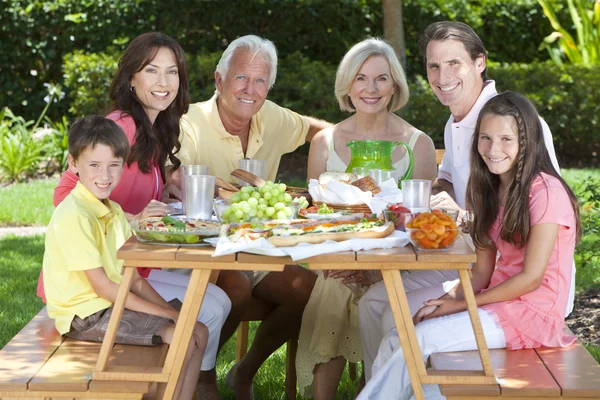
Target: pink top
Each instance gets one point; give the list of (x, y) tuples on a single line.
[(133, 193), (537, 318)]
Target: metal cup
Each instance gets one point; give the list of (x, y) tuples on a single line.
[(199, 195), (257, 167), (187, 170), (416, 194)]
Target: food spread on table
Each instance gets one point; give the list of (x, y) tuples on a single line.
[(290, 233), (173, 230), (269, 201)]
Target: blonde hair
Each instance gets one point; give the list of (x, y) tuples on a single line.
[(353, 61)]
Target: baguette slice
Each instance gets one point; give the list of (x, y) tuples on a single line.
[(316, 238)]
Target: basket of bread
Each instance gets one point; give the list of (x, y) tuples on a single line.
[(343, 191)]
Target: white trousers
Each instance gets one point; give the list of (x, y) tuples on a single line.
[(213, 312), (375, 315), (390, 378)]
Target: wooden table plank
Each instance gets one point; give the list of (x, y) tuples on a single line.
[(574, 368), (27, 352), (459, 253), (394, 255), (202, 254), (135, 250)]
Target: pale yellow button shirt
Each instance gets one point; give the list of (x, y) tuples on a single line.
[(274, 131)]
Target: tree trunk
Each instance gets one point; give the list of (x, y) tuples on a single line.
[(393, 27)]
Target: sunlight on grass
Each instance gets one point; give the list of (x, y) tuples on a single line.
[(27, 204), (20, 266)]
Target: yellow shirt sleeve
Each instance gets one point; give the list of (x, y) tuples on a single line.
[(85, 254)]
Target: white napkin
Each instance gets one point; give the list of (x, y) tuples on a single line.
[(305, 250), (337, 193), (389, 194)]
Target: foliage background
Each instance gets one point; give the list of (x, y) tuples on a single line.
[(76, 44)]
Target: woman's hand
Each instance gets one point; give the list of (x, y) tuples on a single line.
[(360, 277), (155, 209), (171, 194), (445, 306), (422, 313)]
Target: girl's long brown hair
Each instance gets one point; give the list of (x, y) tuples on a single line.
[(153, 143), (533, 159)]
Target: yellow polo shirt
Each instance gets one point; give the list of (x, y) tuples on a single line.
[(274, 131), (84, 233)]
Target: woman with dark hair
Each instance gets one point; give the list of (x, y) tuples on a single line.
[(525, 213), (149, 94)]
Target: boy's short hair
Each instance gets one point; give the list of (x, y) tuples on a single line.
[(93, 129)]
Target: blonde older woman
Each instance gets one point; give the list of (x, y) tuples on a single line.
[(370, 83)]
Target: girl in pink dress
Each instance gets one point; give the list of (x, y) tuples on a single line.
[(523, 211)]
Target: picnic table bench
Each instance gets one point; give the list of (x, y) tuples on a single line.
[(39, 363), (542, 373)]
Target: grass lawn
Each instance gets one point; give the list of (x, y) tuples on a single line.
[(27, 204)]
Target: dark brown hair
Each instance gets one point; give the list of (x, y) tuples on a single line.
[(89, 131), (453, 30), (153, 143), (533, 159)]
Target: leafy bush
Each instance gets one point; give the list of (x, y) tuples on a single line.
[(87, 78), (568, 98), (20, 152), (37, 35), (587, 254)]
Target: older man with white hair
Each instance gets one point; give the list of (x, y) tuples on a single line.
[(239, 122)]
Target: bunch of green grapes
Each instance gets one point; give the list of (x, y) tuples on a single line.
[(270, 201)]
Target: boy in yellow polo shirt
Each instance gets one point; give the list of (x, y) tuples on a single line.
[(81, 271)]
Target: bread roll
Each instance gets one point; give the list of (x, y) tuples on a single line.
[(329, 176), (367, 184)]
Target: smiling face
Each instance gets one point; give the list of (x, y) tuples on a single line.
[(453, 76), (156, 84), (498, 144), (373, 86), (243, 91), (99, 169)]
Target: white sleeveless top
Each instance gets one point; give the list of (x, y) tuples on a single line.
[(335, 163)]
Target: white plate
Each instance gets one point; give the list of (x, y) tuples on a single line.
[(212, 241)]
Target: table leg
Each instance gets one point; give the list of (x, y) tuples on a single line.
[(403, 319), (184, 329), (476, 322), (115, 318)]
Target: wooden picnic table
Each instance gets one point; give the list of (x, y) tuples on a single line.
[(200, 260)]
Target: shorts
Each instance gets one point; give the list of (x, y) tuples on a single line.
[(256, 276), (134, 328)]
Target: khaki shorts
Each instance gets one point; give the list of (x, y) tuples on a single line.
[(134, 328)]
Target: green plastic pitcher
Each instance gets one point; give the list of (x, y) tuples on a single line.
[(377, 154)]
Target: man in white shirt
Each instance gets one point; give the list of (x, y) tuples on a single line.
[(455, 59)]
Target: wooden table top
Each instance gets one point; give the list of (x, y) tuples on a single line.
[(133, 250)]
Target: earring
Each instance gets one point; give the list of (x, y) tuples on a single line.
[(132, 89)]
